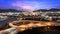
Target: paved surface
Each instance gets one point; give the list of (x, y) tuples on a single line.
[(40, 22), (32, 24), (24, 26)]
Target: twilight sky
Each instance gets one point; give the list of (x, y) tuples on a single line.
[(29, 4)]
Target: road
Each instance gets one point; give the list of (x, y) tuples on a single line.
[(29, 25), (32, 24), (45, 23)]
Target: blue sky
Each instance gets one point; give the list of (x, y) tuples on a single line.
[(29, 4)]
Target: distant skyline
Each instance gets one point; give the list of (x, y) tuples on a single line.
[(29, 4)]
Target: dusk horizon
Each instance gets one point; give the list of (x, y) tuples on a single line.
[(29, 4)]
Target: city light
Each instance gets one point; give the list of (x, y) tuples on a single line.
[(48, 24)]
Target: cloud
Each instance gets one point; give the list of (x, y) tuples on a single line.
[(26, 5)]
